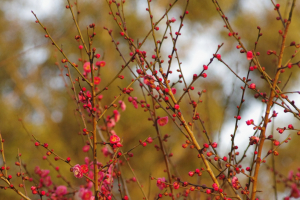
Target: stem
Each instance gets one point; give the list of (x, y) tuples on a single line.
[(270, 103), (2, 152)]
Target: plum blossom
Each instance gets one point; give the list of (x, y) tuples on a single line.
[(254, 140), (114, 139), (249, 55), (61, 190), (116, 115), (291, 175), (249, 122), (252, 86), (84, 169), (86, 148), (161, 183), (77, 171), (87, 194), (175, 185), (100, 63), (122, 105), (135, 104), (87, 67), (46, 181), (86, 160), (295, 191), (214, 145), (149, 80), (97, 80), (235, 182), (173, 90), (44, 173), (105, 151), (110, 122), (163, 121), (172, 19)]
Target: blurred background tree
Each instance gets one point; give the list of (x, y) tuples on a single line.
[(36, 94)]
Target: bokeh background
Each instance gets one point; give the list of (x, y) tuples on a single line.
[(35, 94)]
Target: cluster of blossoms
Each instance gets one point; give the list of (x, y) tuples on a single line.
[(235, 182), (45, 179), (133, 100), (54, 192), (87, 70), (104, 176), (161, 183)]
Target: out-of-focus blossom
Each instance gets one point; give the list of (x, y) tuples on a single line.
[(163, 121), (161, 183), (61, 190)]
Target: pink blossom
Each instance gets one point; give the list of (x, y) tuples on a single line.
[(81, 98), (254, 140), (87, 67), (116, 115), (111, 122), (89, 94), (77, 171), (290, 126), (163, 121), (235, 182), (108, 180), (276, 142), (86, 148), (37, 170), (291, 175), (249, 55), (214, 145), (46, 181), (84, 168), (149, 140), (90, 184), (101, 63), (175, 185), (105, 151), (97, 80), (249, 122), (191, 173), (105, 190), (160, 183), (44, 173), (114, 139), (61, 190), (86, 160), (122, 105), (100, 97), (98, 55), (252, 86), (149, 80), (295, 191), (91, 173), (173, 90), (215, 186), (135, 104), (86, 195), (172, 19)]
